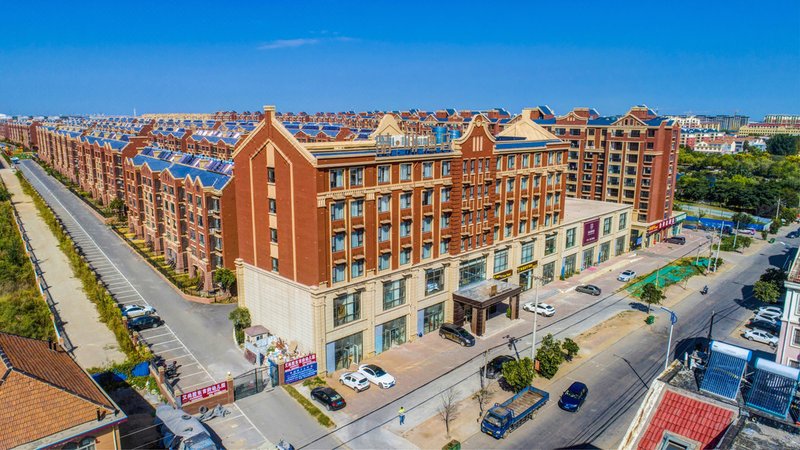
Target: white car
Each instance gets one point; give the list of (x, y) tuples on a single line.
[(761, 336), (131, 311), (768, 315), (542, 308), (773, 310), (376, 375), (626, 275), (354, 381)]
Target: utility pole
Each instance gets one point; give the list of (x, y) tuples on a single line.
[(535, 315), (673, 319), (735, 234), (719, 245), (778, 211)]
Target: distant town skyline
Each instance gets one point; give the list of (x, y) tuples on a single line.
[(205, 57)]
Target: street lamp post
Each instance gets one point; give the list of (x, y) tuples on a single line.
[(535, 315), (673, 319)]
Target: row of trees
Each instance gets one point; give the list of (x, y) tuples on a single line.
[(769, 287)]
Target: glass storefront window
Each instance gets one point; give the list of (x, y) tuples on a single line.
[(394, 333), (472, 271), (550, 244), (432, 318), (569, 265), (588, 258), (394, 293), (348, 350), (526, 279), (434, 280), (619, 246), (346, 308), (605, 250), (548, 272)]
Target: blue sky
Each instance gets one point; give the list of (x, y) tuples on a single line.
[(677, 57)]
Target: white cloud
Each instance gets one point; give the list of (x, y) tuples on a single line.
[(301, 42)]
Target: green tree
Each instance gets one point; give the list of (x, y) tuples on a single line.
[(775, 276), (766, 292), (789, 215), (225, 278), (518, 373), (118, 206), (742, 219), (550, 355), (571, 347), (652, 295), (783, 145), (241, 320)]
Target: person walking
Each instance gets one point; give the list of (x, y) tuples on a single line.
[(402, 415)]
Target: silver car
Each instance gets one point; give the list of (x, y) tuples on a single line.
[(762, 336), (626, 275)]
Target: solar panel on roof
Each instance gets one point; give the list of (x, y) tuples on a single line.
[(724, 371), (773, 388)]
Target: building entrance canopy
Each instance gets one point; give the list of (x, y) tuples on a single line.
[(471, 303)]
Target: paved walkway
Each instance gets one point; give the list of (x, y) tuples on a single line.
[(95, 345)]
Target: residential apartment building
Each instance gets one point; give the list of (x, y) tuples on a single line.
[(184, 207), (629, 159), (782, 119), (726, 122), (351, 248), (691, 136), (769, 129), (788, 351)]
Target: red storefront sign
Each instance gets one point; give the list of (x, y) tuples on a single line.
[(208, 391), (666, 223)]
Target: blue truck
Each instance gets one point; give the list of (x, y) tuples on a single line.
[(503, 418)]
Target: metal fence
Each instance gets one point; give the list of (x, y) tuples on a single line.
[(44, 289), (251, 382)]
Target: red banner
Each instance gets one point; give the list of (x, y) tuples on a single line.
[(208, 391)]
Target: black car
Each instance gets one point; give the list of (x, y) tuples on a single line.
[(144, 322), (792, 234), (572, 399), (495, 367), (676, 240), (589, 289), (328, 397), (456, 334), (772, 327)]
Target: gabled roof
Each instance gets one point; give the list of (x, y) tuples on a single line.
[(524, 127), (687, 417), (47, 392)]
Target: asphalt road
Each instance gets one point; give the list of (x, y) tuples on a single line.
[(619, 377)]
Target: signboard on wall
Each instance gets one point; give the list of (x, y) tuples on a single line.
[(660, 225), (503, 275), (208, 391), (591, 231), (300, 369), (527, 266)]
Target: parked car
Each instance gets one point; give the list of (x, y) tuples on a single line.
[(354, 381), (675, 240), (762, 336), (589, 289), (626, 275), (770, 326), (770, 309), (768, 315), (144, 322), (792, 235), (131, 311), (572, 399), (495, 367), (376, 375), (456, 334), (542, 308), (748, 231), (328, 397)]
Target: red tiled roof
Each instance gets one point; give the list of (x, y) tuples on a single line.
[(687, 417)]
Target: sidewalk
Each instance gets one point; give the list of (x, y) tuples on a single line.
[(95, 345)]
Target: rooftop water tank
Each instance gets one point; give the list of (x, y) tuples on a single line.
[(441, 134), (455, 134)]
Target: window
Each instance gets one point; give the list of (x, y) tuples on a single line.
[(337, 210), (570, 238), (405, 172), (427, 224), (537, 159), (405, 256), (427, 197), (550, 244), (499, 163), (383, 203), (274, 264), (523, 183), (796, 337), (357, 239), (337, 243), (500, 260), (87, 443), (356, 176), (383, 174), (405, 200), (434, 280), (525, 160), (273, 235), (526, 253), (273, 206), (445, 195), (346, 308), (445, 221), (427, 250), (357, 208), (336, 178), (383, 232), (357, 268), (405, 228), (444, 246), (445, 168), (384, 261), (471, 271), (511, 161), (606, 226), (548, 272), (338, 272), (270, 177), (623, 220), (427, 170)]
